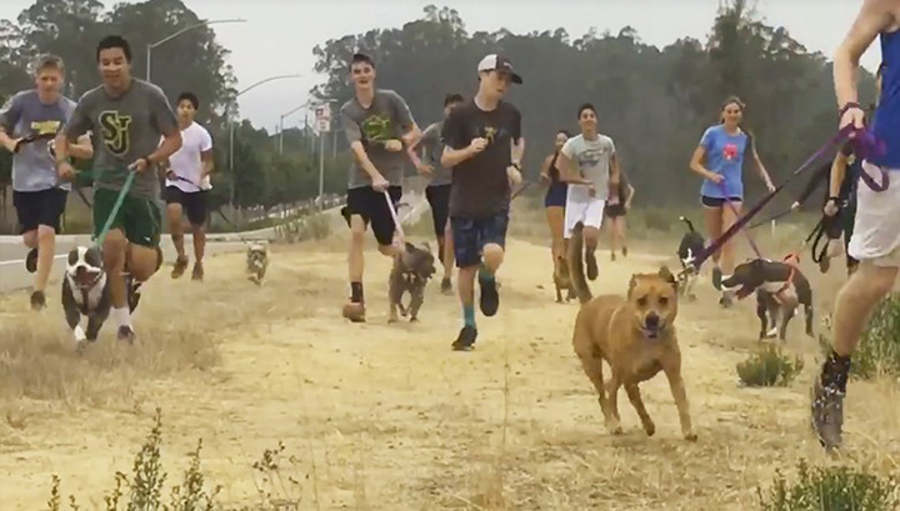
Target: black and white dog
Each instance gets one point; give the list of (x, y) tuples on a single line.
[(85, 292), (780, 288), (691, 246)]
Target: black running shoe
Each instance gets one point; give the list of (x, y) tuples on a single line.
[(591, 262), (134, 294), (717, 278), (31, 260), (490, 298), (466, 339), (446, 286)]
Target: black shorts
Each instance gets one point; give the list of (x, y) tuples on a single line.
[(43, 207), (717, 202), (373, 209), (439, 199), (470, 235), (193, 203), (614, 210)]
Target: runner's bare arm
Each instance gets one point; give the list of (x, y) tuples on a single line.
[(838, 171), (453, 157), (630, 196), (567, 172), (697, 165), (171, 143), (874, 16), (7, 141), (615, 172), (9, 117), (82, 148), (761, 170), (545, 168), (517, 151), (411, 140), (206, 158), (61, 148)]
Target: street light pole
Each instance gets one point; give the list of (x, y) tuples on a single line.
[(183, 30), (281, 126), (231, 129)]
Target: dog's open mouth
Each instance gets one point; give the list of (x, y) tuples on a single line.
[(652, 332), (85, 278)]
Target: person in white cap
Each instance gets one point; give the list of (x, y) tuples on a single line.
[(484, 147)]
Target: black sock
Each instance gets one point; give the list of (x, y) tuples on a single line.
[(835, 372), (356, 292)]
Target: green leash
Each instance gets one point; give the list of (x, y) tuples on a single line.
[(129, 179)]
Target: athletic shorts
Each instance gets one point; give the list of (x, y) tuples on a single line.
[(470, 235), (193, 203), (43, 207), (138, 217), (614, 210), (717, 202), (876, 231), (439, 199), (373, 209), (556, 195), (589, 213)]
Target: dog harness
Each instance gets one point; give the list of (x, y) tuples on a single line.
[(792, 260)]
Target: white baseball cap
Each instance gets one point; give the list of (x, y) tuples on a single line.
[(494, 62)]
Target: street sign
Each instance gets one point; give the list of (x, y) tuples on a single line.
[(323, 118)]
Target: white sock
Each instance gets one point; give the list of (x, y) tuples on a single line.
[(122, 316)]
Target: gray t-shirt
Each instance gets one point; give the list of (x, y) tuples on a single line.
[(434, 148), (125, 128), (591, 158), (388, 117), (34, 169)]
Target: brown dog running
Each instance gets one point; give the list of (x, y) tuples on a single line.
[(634, 335)]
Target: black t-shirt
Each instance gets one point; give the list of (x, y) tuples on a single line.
[(480, 184)]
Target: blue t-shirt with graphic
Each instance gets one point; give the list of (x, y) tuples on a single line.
[(725, 156)]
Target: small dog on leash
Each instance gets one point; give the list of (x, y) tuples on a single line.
[(691, 246), (780, 289), (411, 271), (257, 261), (85, 292)]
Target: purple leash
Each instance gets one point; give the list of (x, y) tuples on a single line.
[(864, 144)]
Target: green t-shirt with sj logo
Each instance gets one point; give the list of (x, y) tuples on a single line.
[(125, 128)]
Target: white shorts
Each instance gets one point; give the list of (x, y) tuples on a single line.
[(876, 230), (582, 208)]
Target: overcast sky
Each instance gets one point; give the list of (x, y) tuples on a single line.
[(279, 35)]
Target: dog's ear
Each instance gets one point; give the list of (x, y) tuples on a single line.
[(666, 275), (631, 284), (410, 247)]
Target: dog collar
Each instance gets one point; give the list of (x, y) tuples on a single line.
[(787, 283)]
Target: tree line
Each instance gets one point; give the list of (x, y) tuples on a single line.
[(654, 102)]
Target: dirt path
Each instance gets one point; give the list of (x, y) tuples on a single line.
[(386, 417)]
